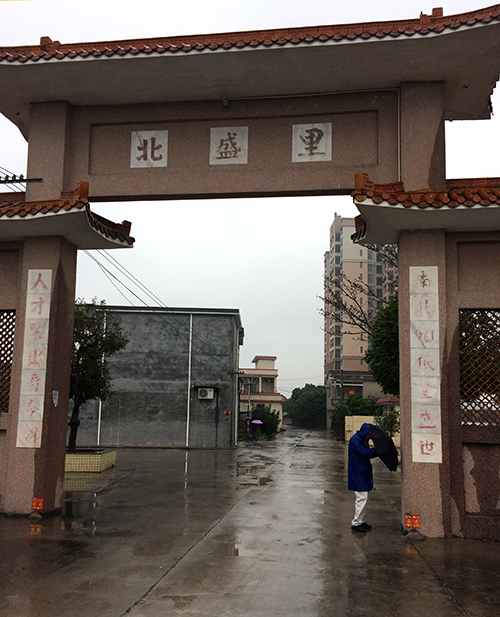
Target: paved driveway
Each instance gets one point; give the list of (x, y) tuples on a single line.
[(262, 531)]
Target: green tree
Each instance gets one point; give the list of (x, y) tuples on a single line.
[(307, 406), (390, 422), (354, 405), (97, 334), (383, 354), (270, 419)]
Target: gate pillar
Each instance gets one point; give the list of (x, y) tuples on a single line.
[(35, 463)]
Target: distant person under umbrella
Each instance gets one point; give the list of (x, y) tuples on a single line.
[(360, 475), (255, 426)]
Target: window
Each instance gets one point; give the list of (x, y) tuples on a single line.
[(268, 384)]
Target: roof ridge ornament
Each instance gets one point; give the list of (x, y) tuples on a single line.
[(425, 19), (48, 45)]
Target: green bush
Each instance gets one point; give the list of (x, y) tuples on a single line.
[(270, 419), (390, 422)]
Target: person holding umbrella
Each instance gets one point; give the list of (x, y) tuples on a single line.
[(360, 475), (255, 426), (359, 467)]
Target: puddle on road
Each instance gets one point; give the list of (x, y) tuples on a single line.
[(243, 470), (261, 481), (264, 480), (231, 550), (180, 601)]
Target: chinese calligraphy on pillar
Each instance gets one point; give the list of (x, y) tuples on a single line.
[(312, 142), (229, 145), (425, 365), (149, 149), (36, 334)]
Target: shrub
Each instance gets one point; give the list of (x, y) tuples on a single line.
[(270, 419)]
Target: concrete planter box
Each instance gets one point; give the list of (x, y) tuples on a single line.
[(90, 460)]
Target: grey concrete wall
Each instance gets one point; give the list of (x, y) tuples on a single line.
[(149, 406)]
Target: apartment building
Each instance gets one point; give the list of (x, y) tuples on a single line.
[(345, 370)]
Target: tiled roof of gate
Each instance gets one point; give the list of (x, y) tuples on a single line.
[(435, 23), (464, 193), (14, 205)]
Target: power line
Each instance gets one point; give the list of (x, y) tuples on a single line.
[(131, 277), (13, 185), (123, 271), (115, 277)]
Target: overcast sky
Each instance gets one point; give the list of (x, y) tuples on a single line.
[(264, 257)]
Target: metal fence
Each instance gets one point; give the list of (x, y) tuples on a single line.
[(479, 348), (7, 327)]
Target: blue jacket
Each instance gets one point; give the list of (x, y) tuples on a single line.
[(359, 468)]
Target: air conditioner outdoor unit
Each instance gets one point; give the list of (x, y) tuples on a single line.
[(205, 393)]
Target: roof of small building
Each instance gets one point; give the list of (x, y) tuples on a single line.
[(387, 209), (70, 217), (388, 400)]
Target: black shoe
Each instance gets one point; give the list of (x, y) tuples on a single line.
[(366, 526), (359, 528)]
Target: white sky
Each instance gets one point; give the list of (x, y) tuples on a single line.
[(264, 257)]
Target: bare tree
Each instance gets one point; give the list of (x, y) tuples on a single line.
[(355, 303)]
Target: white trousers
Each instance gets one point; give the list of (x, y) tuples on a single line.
[(360, 503)]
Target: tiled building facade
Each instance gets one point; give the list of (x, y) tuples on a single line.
[(345, 370)]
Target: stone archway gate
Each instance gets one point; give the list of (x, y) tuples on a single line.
[(282, 112)]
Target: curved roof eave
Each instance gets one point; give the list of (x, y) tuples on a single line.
[(384, 222), (69, 217), (387, 209), (73, 225)]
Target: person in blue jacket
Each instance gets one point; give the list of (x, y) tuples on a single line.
[(360, 475)]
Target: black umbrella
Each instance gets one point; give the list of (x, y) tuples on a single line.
[(386, 450)]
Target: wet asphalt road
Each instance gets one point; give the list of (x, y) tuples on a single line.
[(261, 531)]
